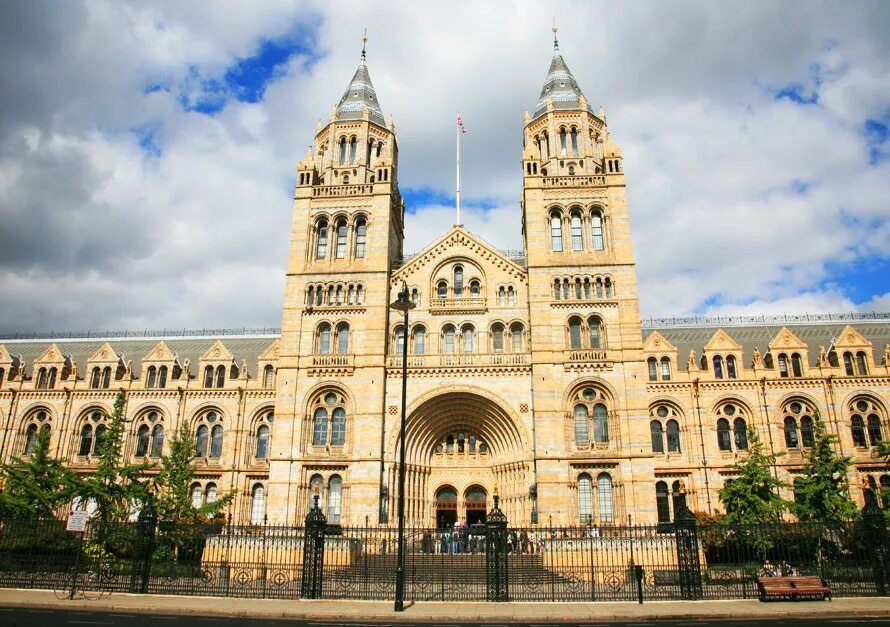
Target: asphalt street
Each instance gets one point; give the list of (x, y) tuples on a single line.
[(26, 617)]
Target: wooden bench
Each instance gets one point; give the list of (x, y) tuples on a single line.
[(793, 588)]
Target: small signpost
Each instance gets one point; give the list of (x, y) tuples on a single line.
[(77, 521)]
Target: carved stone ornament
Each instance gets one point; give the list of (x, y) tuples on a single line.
[(757, 360)]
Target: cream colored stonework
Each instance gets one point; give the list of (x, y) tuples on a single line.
[(531, 376)]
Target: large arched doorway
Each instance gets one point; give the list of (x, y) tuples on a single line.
[(476, 504), (446, 507)]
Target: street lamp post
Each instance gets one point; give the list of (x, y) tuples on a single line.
[(404, 305)]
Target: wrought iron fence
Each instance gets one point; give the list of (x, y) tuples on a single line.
[(532, 564)]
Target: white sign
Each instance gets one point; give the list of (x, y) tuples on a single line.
[(77, 521)]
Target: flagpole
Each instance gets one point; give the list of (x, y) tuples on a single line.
[(457, 195)]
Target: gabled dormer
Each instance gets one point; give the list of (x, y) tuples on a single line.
[(788, 355), (217, 365), (661, 358), (722, 356), (104, 366), (852, 353), (267, 364), (8, 367), (160, 366), (50, 368)]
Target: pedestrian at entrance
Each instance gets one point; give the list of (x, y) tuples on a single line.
[(523, 542), (455, 538), (511, 542)]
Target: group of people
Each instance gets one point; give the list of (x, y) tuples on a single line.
[(782, 569), (465, 538)]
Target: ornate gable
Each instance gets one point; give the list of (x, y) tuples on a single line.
[(850, 338), (657, 343), (786, 340), (51, 355), (218, 352), (159, 352), (722, 342), (458, 242), (5, 357), (105, 354), (271, 352)]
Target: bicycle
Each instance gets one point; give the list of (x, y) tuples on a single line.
[(89, 584)]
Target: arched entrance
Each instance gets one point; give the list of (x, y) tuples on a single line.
[(446, 507), (476, 503)]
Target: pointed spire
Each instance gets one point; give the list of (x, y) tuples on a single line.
[(360, 93), (560, 86)]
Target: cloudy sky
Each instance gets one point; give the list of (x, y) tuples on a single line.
[(147, 150)]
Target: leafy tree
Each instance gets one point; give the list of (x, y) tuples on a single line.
[(36, 487), (172, 496), (822, 493), (115, 486), (752, 496)]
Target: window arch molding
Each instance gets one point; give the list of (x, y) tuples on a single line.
[(445, 272), (866, 417), (589, 409), (597, 219), (36, 417), (209, 423), (259, 447), (338, 411), (148, 431), (671, 418), (732, 413), (89, 427)]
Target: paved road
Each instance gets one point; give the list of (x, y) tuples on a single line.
[(24, 617)]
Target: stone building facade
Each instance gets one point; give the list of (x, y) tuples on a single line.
[(531, 373)]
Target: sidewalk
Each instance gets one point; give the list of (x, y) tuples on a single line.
[(381, 611)]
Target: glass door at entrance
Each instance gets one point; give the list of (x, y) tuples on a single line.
[(446, 507), (475, 499)]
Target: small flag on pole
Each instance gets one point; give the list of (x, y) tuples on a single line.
[(460, 125)]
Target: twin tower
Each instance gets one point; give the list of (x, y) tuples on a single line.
[(523, 372)]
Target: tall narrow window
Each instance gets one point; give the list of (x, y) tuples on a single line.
[(321, 245), (604, 498), (577, 243), (201, 438), (400, 340), (791, 440), (511, 295), (157, 441), (197, 495), (320, 427), (516, 337), (596, 332), (730, 367), (585, 498), (475, 288), (335, 498), (162, 377), (796, 366), (324, 339), (740, 431), (353, 150), (724, 440), (562, 142), (497, 338), (449, 339), (458, 281), (860, 363), (673, 436), (262, 442), (208, 376), (86, 440), (575, 333), (142, 439), (210, 493), (783, 365), (848, 364), (718, 367), (342, 159), (151, 377), (468, 339), (220, 376), (258, 505), (106, 377), (343, 338), (41, 379), (95, 378), (268, 376), (600, 424), (30, 440), (442, 289), (101, 431), (665, 369), (652, 364), (574, 135), (216, 441), (807, 434), (662, 503), (596, 228), (419, 340), (582, 429), (857, 429), (874, 429), (361, 238), (54, 371), (657, 434), (338, 427), (556, 232), (341, 240)]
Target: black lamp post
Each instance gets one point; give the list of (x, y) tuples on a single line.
[(404, 305)]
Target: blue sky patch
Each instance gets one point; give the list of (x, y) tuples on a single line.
[(796, 92), (876, 135), (416, 197), (859, 280), (146, 135)]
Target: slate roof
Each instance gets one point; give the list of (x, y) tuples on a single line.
[(358, 95), (560, 86)]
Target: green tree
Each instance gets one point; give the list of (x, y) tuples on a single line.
[(116, 486), (752, 496), (822, 493), (36, 487), (172, 495)]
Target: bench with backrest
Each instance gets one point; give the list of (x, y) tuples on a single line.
[(793, 588)]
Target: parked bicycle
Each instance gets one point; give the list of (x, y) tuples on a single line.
[(90, 583)]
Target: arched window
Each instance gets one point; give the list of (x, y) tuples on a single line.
[(353, 150), (516, 337), (52, 378), (342, 159), (340, 251), (106, 377), (262, 442), (458, 281), (157, 441), (31, 440), (324, 339), (143, 435), (162, 377), (718, 367), (596, 229), (41, 379), (197, 495), (86, 440), (335, 499), (587, 292), (673, 436), (556, 232), (595, 326), (208, 376), (657, 434), (511, 295), (791, 440), (796, 366), (442, 289), (497, 338), (574, 333), (201, 438), (321, 244), (861, 363), (740, 431), (585, 498), (730, 367), (652, 364), (342, 338), (582, 429), (151, 377), (604, 498), (320, 427), (216, 441), (448, 337), (857, 428), (210, 493), (874, 429), (574, 136), (600, 423), (419, 340), (724, 441), (220, 376), (475, 288), (101, 431), (258, 504), (783, 365), (467, 333), (577, 239), (268, 376), (95, 378), (807, 433), (848, 364), (399, 337), (662, 503), (338, 426), (562, 142), (361, 238), (665, 369)]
